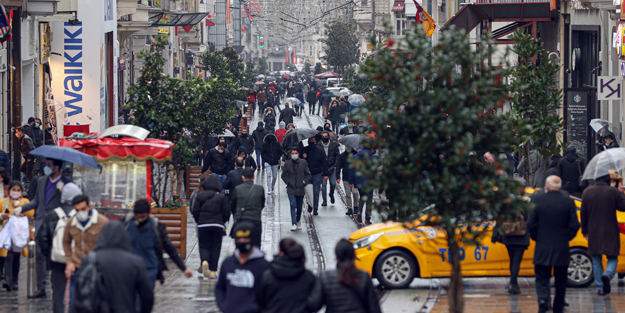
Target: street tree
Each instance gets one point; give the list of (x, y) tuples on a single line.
[(318, 68), (307, 66), (432, 127), (356, 82), (262, 65), (537, 102), (342, 45)]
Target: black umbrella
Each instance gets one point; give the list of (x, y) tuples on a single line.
[(270, 79), (298, 134), (354, 141), (259, 83)]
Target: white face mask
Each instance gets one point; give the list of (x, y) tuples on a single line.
[(613, 184), (220, 151), (15, 195), (294, 157), (82, 216)]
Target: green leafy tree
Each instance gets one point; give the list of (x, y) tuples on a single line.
[(342, 45), (162, 104), (318, 68), (262, 65), (307, 66), (537, 101), (432, 126), (356, 82)]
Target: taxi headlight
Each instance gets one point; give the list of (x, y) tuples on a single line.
[(366, 241)]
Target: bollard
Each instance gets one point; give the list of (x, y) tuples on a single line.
[(31, 287)]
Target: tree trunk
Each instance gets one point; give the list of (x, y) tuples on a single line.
[(165, 184), (455, 293)]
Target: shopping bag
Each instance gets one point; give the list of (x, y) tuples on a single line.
[(309, 196), (19, 233), (5, 235)]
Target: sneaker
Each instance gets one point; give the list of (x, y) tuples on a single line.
[(349, 212), (367, 222), (212, 275), (324, 203), (605, 279), (299, 225), (315, 213), (294, 227), (359, 217), (205, 269), (332, 199), (269, 192)]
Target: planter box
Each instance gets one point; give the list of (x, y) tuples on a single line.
[(176, 222)]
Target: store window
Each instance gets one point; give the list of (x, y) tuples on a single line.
[(400, 23)]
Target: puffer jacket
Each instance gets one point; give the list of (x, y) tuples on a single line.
[(340, 298), (271, 150), (284, 287), (571, 167), (296, 179), (211, 206), (259, 134)]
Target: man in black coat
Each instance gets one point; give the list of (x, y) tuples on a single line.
[(271, 153), (331, 149), (552, 225), (219, 161), (600, 226), (246, 140), (259, 135), (234, 177), (342, 172), (318, 165), (571, 168), (286, 115), (296, 176), (311, 98)]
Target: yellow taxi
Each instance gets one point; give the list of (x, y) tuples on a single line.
[(395, 255)]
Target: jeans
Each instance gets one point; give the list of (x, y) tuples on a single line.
[(324, 186), (258, 158), (315, 180), (515, 253), (543, 275), (296, 208), (210, 239), (349, 193), (222, 179), (366, 199), (335, 126), (58, 282), (272, 175), (597, 267), (72, 286), (278, 106)]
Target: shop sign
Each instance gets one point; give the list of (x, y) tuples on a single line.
[(163, 30), (399, 6), (610, 88), (157, 4), (619, 40)]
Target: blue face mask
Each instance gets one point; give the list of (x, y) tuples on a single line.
[(36, 124), (47, 171)]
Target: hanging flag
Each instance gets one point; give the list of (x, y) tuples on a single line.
[(426, 21), (5, 25)]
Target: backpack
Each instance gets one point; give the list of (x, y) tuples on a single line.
[(58, 253), (90, 293)]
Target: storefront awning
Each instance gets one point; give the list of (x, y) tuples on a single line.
[(177, 19), (398, 6)]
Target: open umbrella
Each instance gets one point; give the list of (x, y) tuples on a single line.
[(328, 75), (604, 162), (259, 83), (297, 135), (356, 100), (345, 92), (292, 101), (270, 79), (66, 154), (286, 76), (600, 126), (354, 141), (241, 103), (226, 133)]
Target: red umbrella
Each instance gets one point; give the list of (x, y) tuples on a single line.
[(286, 76), (328, 75)]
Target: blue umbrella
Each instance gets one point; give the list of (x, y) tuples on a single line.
[(66, 154)]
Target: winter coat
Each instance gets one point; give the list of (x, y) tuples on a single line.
[(270, 122), (218, 162), (235, 291), (259, 134), (311, 96), (340, 298), (536, 167), (552, 225), (317, 160), (79, 240), (37, 136), (246, 141), (249, 161), (211, 206), (334, 113), (326, 98), (4, 161), (233, 179), (300, 97), (261, 97), (124, 273), (39, 201), (280, 134), (286, 115), (28, 130), (332, 156), (254, 201), (271, 150), (296, 180), (8, 208), (357, 180), (342, 165), (285, 287), (161, 243), (571, 168), (598, 215)]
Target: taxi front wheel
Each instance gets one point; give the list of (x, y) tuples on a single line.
[(580, 269), (395, 269)]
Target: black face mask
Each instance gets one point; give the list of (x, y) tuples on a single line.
[(327, 128), (244, 247), (243, 135), (325, 140), (141, 224)]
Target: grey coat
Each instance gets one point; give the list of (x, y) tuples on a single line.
[(39, 201), (536, 167), (296, 180), (598, 215)]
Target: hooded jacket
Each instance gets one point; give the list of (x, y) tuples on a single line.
[(259, 134), (285, 287), (271, 150), (124, 273), (340, 298), (270, 120), (218, 162), (211, 207), (355, 179), (571, 168), (249, 162), (235, 291), (325, 98), (246, 141)]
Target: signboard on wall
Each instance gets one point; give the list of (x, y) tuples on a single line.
[(577, 121), (610, 88)]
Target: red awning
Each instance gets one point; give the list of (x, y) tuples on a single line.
[(157, 150), (210, 23), (399, 6)]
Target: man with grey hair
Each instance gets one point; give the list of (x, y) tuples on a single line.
[(552, 225)]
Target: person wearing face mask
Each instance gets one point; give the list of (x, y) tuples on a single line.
[(245, 140), (148, 238), (342, 171), (270, 120), (318, 165), (81, 235), (247, 204), (280, 132), (46, 198), (271, 153), (241, 273), (12, 261), (331, 149), (248, 160), (296, 176), (219, 161)]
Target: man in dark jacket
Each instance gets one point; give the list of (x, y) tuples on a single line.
[(124, 273), (600, 226), (246, 140), (148, 239), (318, 165), (571, 168), (608, 141), (324, 101), (287, 114), (342, 172), (271, 153), (28, 128), (241, 273), (311, 97), (235, 123), (300, 96), (247, 204), (234, 177), (296, 176), (259, 134), (219, 161), (331, 149), (360, 182), (552, 225)]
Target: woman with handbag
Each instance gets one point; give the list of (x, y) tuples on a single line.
[(516, 238)]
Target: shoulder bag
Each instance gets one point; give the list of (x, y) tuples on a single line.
[(242, 211), (514, 228)]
